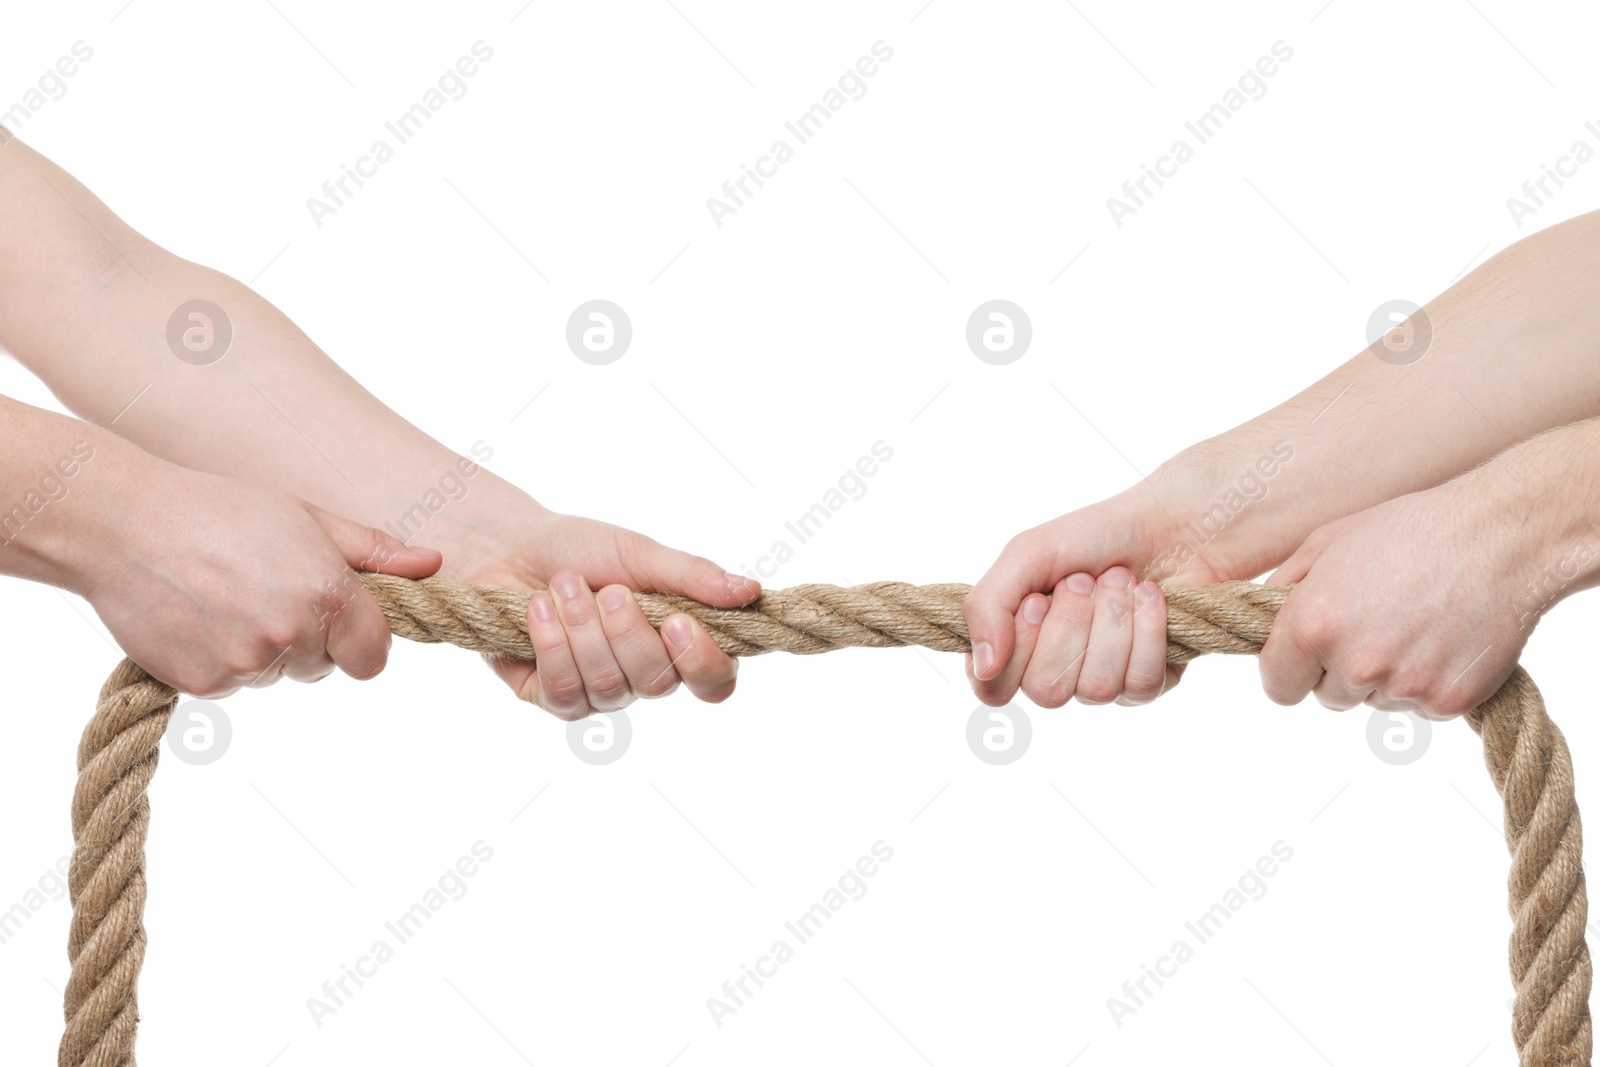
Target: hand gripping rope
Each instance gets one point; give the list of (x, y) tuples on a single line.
[(1526, 755)]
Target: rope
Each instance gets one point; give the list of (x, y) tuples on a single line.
[(1526, 755)]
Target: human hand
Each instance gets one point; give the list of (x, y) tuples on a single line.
[(1409, 605), (595, 649), (1101, 634), (211, 584)]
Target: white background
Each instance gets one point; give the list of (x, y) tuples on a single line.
[(827, 314)]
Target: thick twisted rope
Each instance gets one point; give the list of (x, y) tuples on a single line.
[(1526, 755)]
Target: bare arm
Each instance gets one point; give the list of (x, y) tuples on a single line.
[(1511, 352), (1514, 350), (105, 317)]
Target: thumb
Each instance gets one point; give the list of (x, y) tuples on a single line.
[(657, 568), (368, 549), (1027, 565), (1298, 565)]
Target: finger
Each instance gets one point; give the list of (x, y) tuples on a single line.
[(1291, 666), (298, 665), (1336, 693), (660, 569), (709, 674), (1105, 664), (367, 549), (1174, 676), (522, 675), (603, 677), (635, 643), (559, 689), (1147, 658), (1026, 565), (358, 638), (1030, 616), (1298, 565), (1052, 675)]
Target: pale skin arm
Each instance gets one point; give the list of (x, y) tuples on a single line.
[(1062, 613), (1424, 602), (208, 582), (277, 413)]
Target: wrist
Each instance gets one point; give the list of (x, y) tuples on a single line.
[(469, 514), (70, 525), (1224, 505), (1541, 540)]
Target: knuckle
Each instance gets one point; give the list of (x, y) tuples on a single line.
[(375, 548), (1097, 688), (609, 686), (663, 684), (277, 634), (366, 658), (330, 598), (991, 696), (367, 668), (1144, 685), (1316, 629), (1365, 670), (1047, 694), (1022, 544), (1277, 694), (207, 685), (565, 691), (566, 712), (1116, 573), (632, 549), (1452, 703), (253, 659)]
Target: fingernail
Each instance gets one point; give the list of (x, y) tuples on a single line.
[(678, 631), (1146, 592), (983, 659), (566, 585), (613, 597), (543, 609), (741, 587), (1080, 583), (1034, 608), (1117, 577)]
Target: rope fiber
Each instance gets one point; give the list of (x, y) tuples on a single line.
[(1525, 752)]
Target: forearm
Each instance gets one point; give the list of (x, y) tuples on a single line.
[(69, 493), (1512, 353), (87, 308), (1537, 505)]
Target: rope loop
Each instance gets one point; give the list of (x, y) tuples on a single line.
[(1526, 755)]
